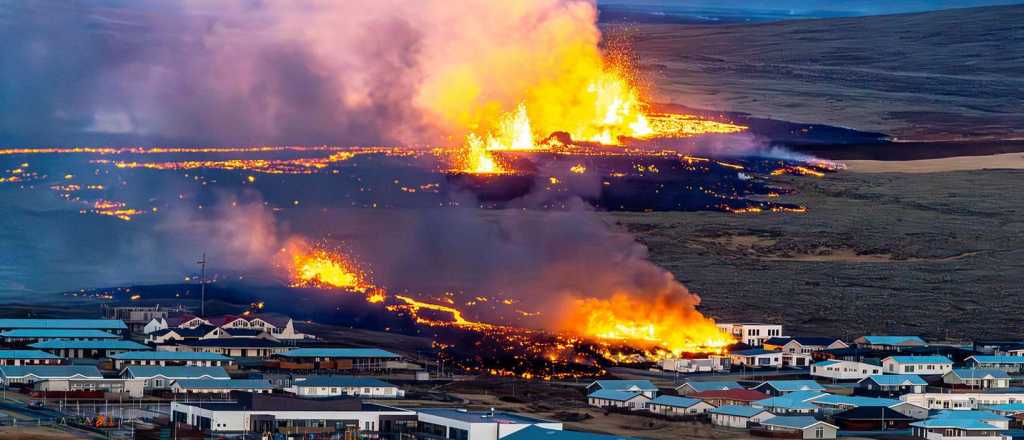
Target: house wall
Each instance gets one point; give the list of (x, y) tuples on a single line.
[(236, 421), (846, 370), (697, 408), (738, 421), (826, 432), (961, 400), (921, 369), (385, 392)]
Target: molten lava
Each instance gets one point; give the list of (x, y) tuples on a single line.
[(322, 268)]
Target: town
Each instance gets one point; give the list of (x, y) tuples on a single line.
[(155, 372)]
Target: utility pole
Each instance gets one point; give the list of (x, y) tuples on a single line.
[(202, 285)]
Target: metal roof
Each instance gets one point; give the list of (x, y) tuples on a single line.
[(481, 416), (921, 359), (342, 382), (783, 402), (27, 354), (170, 355), (896, 379), (51, 371), (675, 401), (220, 384), (58, 333), (146, 371), (340, 353), (795, 422), (997, 359), (966, 424), (854, 401), (712, 385), (102, 324), (103, 344), (538, 433), (625, 385), (754, 352), (1008, 407), (893, 340), (620, 396), (738, 410), (980, 373), (793, 385)]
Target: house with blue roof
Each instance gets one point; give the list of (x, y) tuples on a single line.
[(221, 386), (28, 374), (794, 403), (25, 336), (359, 359), (164, 358), (890, 385), (756, 357), (889, 343), (977, 378), (948, 428), (645, 387), (738, 416), (91, 349), (797, 427), (678, 406), (331, 386), (974, 414), (110, 325), (921, 365), (164, 377), (1007, 363), (780, 387), (839, 370), (631, 400), (29, 357), (535, 432), (830, 404), (693, 387), (1008, 409)]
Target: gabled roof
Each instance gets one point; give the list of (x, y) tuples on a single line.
[(959, 423), (27, 354), (754, 352), (896, 379), (103, 344), (1008, 407), (625, 385), (169, 355), (872, 413), (826, 363), (342, 382), (936, 359), (698, 386), (979, 373), (220, 384), (51, 371), (58, 333), (243, 332), (894, 340), (997, 359), (675, 401), (187, 332), (814, 340), (792, 385), (234, 343), (340, 353), (854, 401), (619, 396), (534, 432), (738, 410), (970, 414), (177, 320), (794, 422), (777, 340), (737, 395), (784, 402), (101, 324), (139, 371)]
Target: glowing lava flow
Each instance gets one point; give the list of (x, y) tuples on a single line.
[(320, 268), (415, 309)]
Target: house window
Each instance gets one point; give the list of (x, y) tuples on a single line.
[(819, 432)]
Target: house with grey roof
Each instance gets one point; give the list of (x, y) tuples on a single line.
[(221, 386), (162, 358), (88, 349), (164, 377), (29, 357), (892, 343), (28, 374), (645, 387), (890, 385), (537, 433), (693, 387), (780, 387), (738, 416), (839, 370), (678, 406), (357, 359), (1007, 363), (631, 400), (328, 386), (977, 378), (804, 427)]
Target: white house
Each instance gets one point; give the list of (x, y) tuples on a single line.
[(804, 427), (678, 406), (896, 343), (618, 399), (1007, 363), (161, 358), (756, 357), (844, 370), (780, 387), (961, 400), (29, 357), (892, 384), (693, 387), (738, 416), (644, 387), (221, 386), (164, 377), (920, 365), (368, 387), (752, 334), (977, 378), (451, 423), (955, 426), (805, 345), (693, 365), (182, 321)]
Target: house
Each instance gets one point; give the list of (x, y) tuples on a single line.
[(752, 334), (537, 433), (29, 357), (780, 387), (808, 345), (180, 321), (93, 349), (890, 385), (1008, 409), (693, 365), (678, 406), (872, 418), (756, 357), (920, 365), (115, 326), (972, 425), (60, 388), (172, 334), (221, 386), (692, 387), (170, 358), (265, 415), (1009, 364), (644, 387), (280, 327), (327, 386), (358, 359), (982, 415), (738, 416), (796, 360), (34, 373), (977, 378), (25, 336), (136, 317), (961, 400), (164, 377), (803, 427), (830, 404), (235, 347), (796, 403), (893, 343), (1016, 351), (729, 397), (844, 370), (618, 399), (457, 423)]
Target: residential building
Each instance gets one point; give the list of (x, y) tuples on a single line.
[(796, 360), (59, 387), (961, 400), (357, 359), (678, 406), (456, 423), (537, 433), (1008, 409), (738, 416), (780, 387), (804, 427), (179, 321), (170, 359), (920, 365), (110, 325), (961, 425), (29, 357), (221, 386), (234, 347), (844, 370), (891, 385), (830, 404), (752, 334), (94, 349), (631, 400), (325, 386), (729, 397), (797, 403), (808, 345), (269, 414), (1007, 363), (34, 373), (644, 387), (872, 418), (894, 343), (977, 378), (164, 377), (692, 387), (693, 365), (136, 317), (280, 327), (172, 334), (26, 336), (756, 357)]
